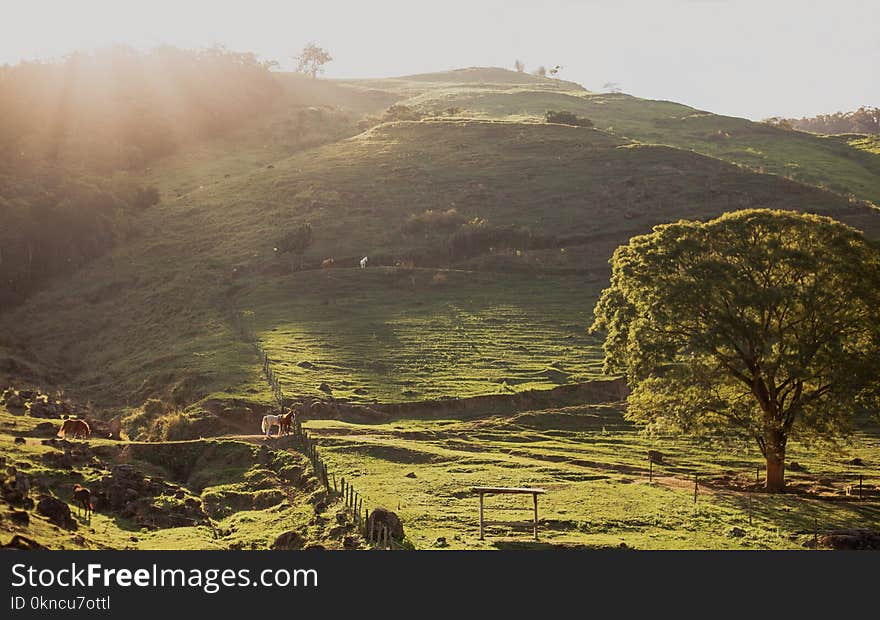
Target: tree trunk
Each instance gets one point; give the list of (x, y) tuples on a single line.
[(775, 455), (775, 474)]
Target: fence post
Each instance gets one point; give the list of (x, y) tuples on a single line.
[(860, 486), (334, 483), (696, 487)]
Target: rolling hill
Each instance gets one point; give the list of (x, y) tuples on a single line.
[(488, 233), (543, 206)]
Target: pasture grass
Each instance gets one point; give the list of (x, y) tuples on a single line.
[(391, 335), (593, 466)]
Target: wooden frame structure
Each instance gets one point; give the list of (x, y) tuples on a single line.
[(481, 491)]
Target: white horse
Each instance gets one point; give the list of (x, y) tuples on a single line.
[(269, 421), (364, 262)]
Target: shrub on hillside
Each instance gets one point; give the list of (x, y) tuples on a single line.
[(567, 118), (478, 236), (400, 112), (397, 112), (432, 222)]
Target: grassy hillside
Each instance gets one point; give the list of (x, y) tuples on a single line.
[(152, 318), (817, 160), (390, 335), (488, 234)]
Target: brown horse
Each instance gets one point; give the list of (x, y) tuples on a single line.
[(78, 429), (83, 498), (287, 419)]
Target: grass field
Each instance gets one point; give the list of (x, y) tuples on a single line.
[(401, 335), (593, 466)]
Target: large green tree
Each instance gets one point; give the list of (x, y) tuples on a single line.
[(762, 323)]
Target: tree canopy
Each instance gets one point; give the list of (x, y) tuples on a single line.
[(864, 120), (296, 241), (761, 323), (311, 60)]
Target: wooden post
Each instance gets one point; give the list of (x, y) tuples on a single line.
[(758, 476), (334, 481), (650, 470), (535, 497), (481, 517), (860, 486), (696, 487), (371, 524)]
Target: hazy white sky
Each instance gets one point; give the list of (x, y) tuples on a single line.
[(753, 58)]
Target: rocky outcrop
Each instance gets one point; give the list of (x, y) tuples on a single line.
[(131, 495), (851, 539), (16, 487), (56, 511), (289, 540)]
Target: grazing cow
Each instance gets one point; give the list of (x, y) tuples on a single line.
[(82, 497), (78, 429), (327, 263), (364, 262)]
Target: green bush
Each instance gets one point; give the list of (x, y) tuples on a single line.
[(567, 118), (431, 222)]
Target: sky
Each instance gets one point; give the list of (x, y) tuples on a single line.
[(745, 58)]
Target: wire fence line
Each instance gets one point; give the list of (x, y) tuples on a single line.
[(378, 535)]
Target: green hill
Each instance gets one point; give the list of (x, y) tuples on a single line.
[(541, 207), (816, 160)]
